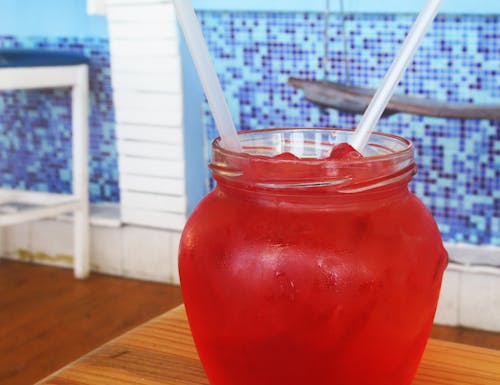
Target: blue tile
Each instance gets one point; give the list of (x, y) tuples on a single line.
[(459, 161), (35, 127), (255, 53)]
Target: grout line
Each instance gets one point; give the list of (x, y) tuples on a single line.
[(474, 269)]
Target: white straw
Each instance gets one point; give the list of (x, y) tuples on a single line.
[(394, 74), (206, 71)]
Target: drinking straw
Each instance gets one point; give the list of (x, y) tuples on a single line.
[(206, 71), (394, 74)]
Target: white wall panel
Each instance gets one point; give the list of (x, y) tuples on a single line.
[(156, 202), (146, 47), (140, 12), (136, 2), (147, 88), (142, 82), (150, 150), (151, 167), (155, 185), (148, 101), (165, 117), (162, 64), (159, 219), (160, 134), (139, 30)]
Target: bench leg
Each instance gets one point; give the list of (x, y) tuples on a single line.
[(80, 114), (82, 240)]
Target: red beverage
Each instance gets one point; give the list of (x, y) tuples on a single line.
[(311, 271)]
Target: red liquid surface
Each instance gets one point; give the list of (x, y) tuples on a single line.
[(280, 294), (344, 151), (341, 151)]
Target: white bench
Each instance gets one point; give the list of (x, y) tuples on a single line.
[(20, 69)]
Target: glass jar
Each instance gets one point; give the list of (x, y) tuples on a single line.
[(311, 271)]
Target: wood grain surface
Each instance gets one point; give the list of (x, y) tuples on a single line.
[(49, 319), (162, 352)]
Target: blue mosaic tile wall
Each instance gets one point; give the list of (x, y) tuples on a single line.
[(459, 161), (35, 127)]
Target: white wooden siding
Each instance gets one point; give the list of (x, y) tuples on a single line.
[(159, 134), (147, 90), (143, 30), (147, 82), (157, 202), (137, 64), (132, 148), (153, 185), (140, 11), (151, 167)]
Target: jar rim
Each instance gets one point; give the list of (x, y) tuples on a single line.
[(388, 160), (407, 150)]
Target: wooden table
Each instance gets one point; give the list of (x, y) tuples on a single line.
[(162, 352)]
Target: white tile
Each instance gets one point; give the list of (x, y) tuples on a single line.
[(480, 299), (16, 237), (466, 254), (174, 257), (53, 238), (105, 214), (146, 253), (101, 214), (447, 311), (106, 250)]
